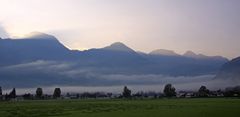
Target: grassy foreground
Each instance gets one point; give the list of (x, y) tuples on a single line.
[(123, 108)]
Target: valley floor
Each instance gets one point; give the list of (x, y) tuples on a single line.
[(209, 107)]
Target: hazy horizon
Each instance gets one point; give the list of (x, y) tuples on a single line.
[(207, 27), (193, 85)]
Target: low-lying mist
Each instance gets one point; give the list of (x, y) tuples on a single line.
[(180, 83), (71, 78)]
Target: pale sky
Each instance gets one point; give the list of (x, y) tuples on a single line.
[(211, 27)]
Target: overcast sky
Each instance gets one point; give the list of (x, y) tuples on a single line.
[(211, 27)]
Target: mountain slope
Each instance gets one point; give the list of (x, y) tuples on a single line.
[(230, 70)]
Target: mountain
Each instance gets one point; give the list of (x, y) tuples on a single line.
[(35, 47), (164, 52), (40, 59), (114, 59), (230, 70)]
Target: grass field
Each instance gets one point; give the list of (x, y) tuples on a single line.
[(123, 108)]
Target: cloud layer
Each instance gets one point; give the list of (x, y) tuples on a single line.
[(71, 77), (3, 32)]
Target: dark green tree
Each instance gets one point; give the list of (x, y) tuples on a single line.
[(169, 90), (57, 93), (1, 96), (12, 93), (0, 91), (7, 97), (126, 92), (203, 91), (39, 93)]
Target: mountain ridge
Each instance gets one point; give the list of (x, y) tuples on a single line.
[(116, 46), (164, 52)]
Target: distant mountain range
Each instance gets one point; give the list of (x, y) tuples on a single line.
[(41, 57)]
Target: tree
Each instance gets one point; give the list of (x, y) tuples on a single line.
[(203, 91), (57, 93), (7, 97), (39, 93), (126, 92), (12, 93), (1, 96), (169, 90), (27, 96), (0, 91), (232, 91)]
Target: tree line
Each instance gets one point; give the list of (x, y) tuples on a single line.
[(39, 94), (168, 91)]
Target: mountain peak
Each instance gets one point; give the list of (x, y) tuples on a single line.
[(39, 35), (190, 54), (119, 46), (163, 52)]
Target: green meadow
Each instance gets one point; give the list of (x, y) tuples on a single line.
[(208, 107)]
